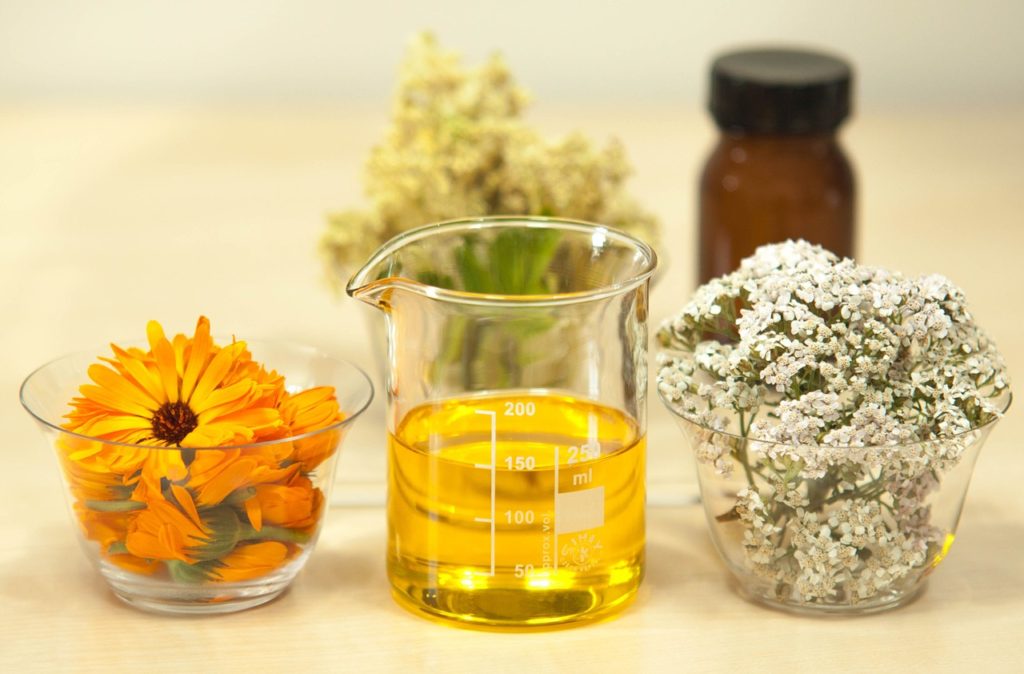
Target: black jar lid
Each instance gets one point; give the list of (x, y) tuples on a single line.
[(779, 91)]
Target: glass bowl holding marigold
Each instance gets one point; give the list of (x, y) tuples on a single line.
[(198, 529)]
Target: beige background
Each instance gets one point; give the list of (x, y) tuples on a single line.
[(907, 52)]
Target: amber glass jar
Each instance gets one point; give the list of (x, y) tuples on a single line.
[(778, 171)]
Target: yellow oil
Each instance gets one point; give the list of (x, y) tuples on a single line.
[(489, 547)]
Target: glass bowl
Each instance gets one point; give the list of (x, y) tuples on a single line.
[(199, 530), (862, 537)]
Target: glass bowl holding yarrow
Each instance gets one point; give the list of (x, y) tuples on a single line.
[(835, 412), (197, 476)]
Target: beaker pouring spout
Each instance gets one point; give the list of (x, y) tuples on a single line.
[(375, 282)]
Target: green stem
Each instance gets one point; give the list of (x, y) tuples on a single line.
[(115, 506), (742, 451), (240, 496), (271, 533), (117, 548)]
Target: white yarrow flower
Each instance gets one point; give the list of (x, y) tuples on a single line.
[(844, 393)]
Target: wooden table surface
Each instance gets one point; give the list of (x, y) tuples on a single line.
[(110, 216)]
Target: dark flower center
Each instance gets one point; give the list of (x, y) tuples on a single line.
[(173, 421)]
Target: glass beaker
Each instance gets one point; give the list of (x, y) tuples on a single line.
[(516, 383)]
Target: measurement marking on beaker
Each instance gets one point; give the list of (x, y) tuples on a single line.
[(493, 468), (580, 479), (554, 520)]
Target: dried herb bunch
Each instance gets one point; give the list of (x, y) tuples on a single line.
[(458, 146)]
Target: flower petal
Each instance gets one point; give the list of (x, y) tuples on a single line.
[(165, 362), (141, 375), (114, 402), (155, 334), (119, 386), (238, 392), (234, 475), (179, 344), (215, 372), (252, 560), (201, 346), (187, 504), (254, 512), (102, 426)]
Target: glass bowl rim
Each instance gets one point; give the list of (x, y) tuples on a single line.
[(1008, 394), (361, 407)]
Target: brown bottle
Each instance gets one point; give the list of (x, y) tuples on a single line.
[(778, 171)]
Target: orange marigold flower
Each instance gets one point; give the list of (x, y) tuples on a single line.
[(296, 505), (309, 411), (186, 392), (252, 560), (215, 474), (152, 489), (270, 383), (106, 528), (96, 471), (99, 458), (109, 528), (165, 531)]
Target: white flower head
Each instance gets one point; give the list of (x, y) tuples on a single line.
[(803, 348), (840, 396)]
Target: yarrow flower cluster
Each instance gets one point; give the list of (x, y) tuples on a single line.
[(844, 392), (458, 146)]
